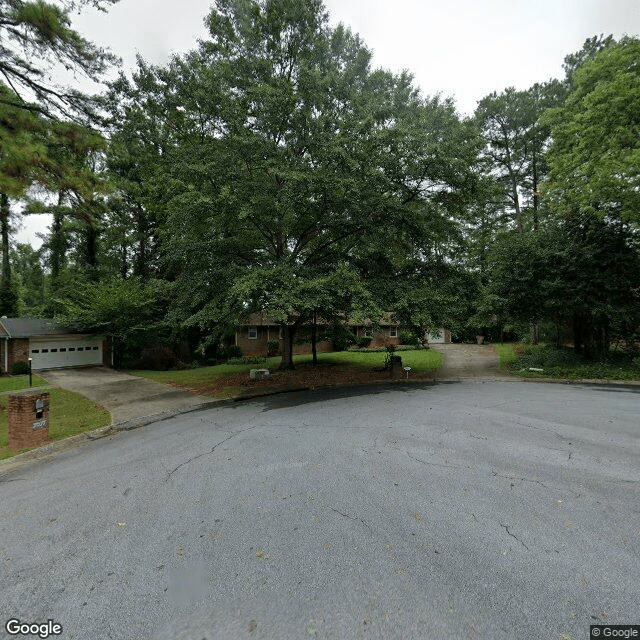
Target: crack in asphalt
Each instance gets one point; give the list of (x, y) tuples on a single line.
[(542, 484), (346, 515), (506, 528), (435, 464), (207, 453)]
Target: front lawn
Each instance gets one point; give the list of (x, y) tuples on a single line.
[(17, 383), (564, 363), (210, 380), (69, 414)]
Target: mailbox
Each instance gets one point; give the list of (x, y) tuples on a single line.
[(28, 419)]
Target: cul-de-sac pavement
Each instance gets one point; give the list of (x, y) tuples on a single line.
[(472, 509)]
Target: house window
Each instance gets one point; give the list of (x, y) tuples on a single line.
[(252, 333), (54, 351), (35, 350), (62, 349), (72, 348), (80, 348), (95, 348), (393, 332), (367, 331)]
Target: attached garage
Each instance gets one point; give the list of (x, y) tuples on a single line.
[(66, 351), (48, 345)]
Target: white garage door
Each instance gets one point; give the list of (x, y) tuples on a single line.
[(70, 352), (437, 337)]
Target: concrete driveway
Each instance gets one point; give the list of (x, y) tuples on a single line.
[(125, 396), (463, 361)]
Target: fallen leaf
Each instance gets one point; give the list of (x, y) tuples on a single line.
[(180, 551), (328, 546), (252, 626), (260, 554), (565, 636), (122, 524), (311, 629)]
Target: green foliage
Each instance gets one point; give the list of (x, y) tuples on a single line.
[(247, 360), (364, 341), (232, 352), (130, 311), (409, 338), (565, 363), (341, 337), (580, 270), (273, 346), (19, 368), (398, 347), (595, 155)]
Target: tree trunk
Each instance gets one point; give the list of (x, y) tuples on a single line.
[(91, 251), (314, 341), (8, 299), (4, 231), (577, 333), (140, 265), (288, 334), (535, 188), (58, 244), (535, 332)]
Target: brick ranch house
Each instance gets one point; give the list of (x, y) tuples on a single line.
[(49, 346), (252, 337)]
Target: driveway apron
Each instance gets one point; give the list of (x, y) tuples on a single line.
[(462, 361), (124, 395)]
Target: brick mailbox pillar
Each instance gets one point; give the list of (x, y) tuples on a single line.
[(28, 419)]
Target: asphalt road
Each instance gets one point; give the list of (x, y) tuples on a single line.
[(468, 510)]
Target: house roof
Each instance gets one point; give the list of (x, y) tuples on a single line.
[(30, 327)]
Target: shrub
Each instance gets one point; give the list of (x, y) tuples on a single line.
[(398, 347), (234, 351), (156, 358), (19, 368), (247, 360), (273, 347), (409, 337), (364, 341), (341, 337)]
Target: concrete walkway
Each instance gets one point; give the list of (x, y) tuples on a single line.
[(464, 361), (125, 396)]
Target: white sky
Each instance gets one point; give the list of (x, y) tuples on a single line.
[(459, 48)]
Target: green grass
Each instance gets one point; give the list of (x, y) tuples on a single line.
[(420, 360), (564, 363), (16, 383), (507, 355), (69, 414)]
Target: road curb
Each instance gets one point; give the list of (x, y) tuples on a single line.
[(58, 446)]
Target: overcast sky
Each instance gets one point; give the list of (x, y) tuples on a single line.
[(459, 48)]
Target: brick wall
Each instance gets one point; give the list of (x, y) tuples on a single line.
[(258, 346), (22, 416), (18, 351)]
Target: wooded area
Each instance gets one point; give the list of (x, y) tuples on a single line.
[(273, 169)]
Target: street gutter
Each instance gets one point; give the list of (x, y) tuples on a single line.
[(48, 451)]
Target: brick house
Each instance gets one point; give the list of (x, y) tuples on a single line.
[(252, 337), (49, 346)]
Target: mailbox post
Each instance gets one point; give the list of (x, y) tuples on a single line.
[(28, 419)]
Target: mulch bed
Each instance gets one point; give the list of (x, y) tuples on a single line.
[(304, 375)]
